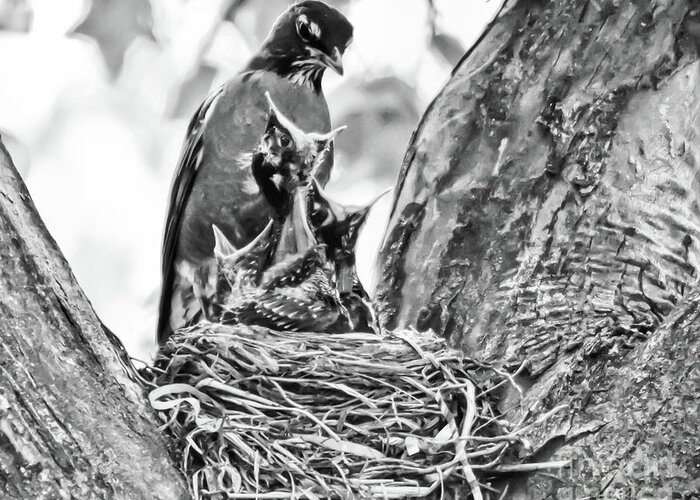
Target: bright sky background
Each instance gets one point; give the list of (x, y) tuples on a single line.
[(98, 154)]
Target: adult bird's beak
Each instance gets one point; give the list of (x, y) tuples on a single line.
[(334, 61)]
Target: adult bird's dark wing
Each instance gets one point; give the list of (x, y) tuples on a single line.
[(187, 168)]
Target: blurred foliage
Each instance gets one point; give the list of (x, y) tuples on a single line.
[(384, 108), (114, 25), (192, 89), (96, 95), (450, 47), (15, 15)]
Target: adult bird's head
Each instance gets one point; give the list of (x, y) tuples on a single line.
[(307, 38)]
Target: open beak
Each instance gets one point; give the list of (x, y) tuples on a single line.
[(226, 252), (296, 235), (334, 61), (345, 277), (303, 234)]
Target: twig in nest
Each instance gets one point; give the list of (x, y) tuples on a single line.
[(266, 414)]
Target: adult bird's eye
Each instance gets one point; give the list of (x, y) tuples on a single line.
[(284, 140), (303, 31)]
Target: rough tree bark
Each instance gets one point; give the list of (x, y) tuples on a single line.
[(547, 213), (72, 422)]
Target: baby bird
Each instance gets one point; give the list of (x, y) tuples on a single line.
[(283, 279), (338, 227)]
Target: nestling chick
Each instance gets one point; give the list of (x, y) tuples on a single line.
[(284, 279), (338, 227)]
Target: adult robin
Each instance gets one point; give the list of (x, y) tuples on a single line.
[(213, 183)]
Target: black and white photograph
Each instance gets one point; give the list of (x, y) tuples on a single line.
[(349, 249)]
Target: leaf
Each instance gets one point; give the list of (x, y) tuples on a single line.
[(15, 15), (448, 46), (114, 25)]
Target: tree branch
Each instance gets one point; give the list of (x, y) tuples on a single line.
[(72, 422)]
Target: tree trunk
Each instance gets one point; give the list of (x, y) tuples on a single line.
[(72, 422), (547, 213)]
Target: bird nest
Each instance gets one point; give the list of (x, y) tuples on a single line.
[(267, 414)]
